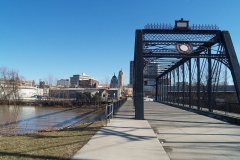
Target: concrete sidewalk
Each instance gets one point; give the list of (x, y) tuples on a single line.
[(123, 139), (186, 135)]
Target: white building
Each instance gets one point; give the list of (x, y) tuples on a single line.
[(22, 92), (63, 82), (121, 79), (28, 92)]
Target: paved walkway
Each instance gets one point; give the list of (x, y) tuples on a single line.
[(124, 139), (167, 133), (186, 135)]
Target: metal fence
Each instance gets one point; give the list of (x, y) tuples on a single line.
[(226, 107), (112, 108)]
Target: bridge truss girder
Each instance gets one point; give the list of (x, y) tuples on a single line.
[(184, 79)]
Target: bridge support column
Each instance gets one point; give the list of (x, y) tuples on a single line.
[(210, 82), (198, 83), (167, 88), (178, 86), (138, 76), (190, 84), (170, 95), (156, 91), (183, 85), (162, 90), (174, 88), (233, 61)]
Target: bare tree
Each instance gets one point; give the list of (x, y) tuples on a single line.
[(9, 94), (9, 82), (50, 80), (106, 80)]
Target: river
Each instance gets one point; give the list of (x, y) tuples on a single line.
[(27, 119)]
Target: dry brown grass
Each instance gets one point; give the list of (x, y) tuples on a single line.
[(61, 144)]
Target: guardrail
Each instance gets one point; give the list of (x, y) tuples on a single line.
[(112, 108), (217, 106), (109, 112)]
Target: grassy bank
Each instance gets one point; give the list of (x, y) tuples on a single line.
[(61, 144)]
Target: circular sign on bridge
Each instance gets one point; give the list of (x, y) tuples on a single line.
[(184, 48)]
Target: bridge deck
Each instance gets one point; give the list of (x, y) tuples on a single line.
[(188, 135), (182, 135)]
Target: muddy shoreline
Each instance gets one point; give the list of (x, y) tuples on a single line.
[(17, 120)]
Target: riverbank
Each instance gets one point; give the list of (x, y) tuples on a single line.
[(57, 144), (53, 102), (29, 119)]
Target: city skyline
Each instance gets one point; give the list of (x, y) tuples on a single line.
[(61, 38)]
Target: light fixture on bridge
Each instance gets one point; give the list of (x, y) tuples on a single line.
[(181, 24)]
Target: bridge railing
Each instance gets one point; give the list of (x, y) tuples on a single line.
[(217, 106), (109, 112), (112, 108), (227, 107)]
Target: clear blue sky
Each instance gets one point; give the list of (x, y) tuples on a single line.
[(65, 37)]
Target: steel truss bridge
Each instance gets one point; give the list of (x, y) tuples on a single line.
[(189, 65)]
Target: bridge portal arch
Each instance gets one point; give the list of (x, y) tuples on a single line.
[(188, 65)]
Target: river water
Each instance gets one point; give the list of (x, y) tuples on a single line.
[(27, 119)]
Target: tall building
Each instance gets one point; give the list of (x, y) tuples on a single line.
[(90, 83), (114, 82), (75, 79), (152, 70), (117, 82), (120, 79)]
